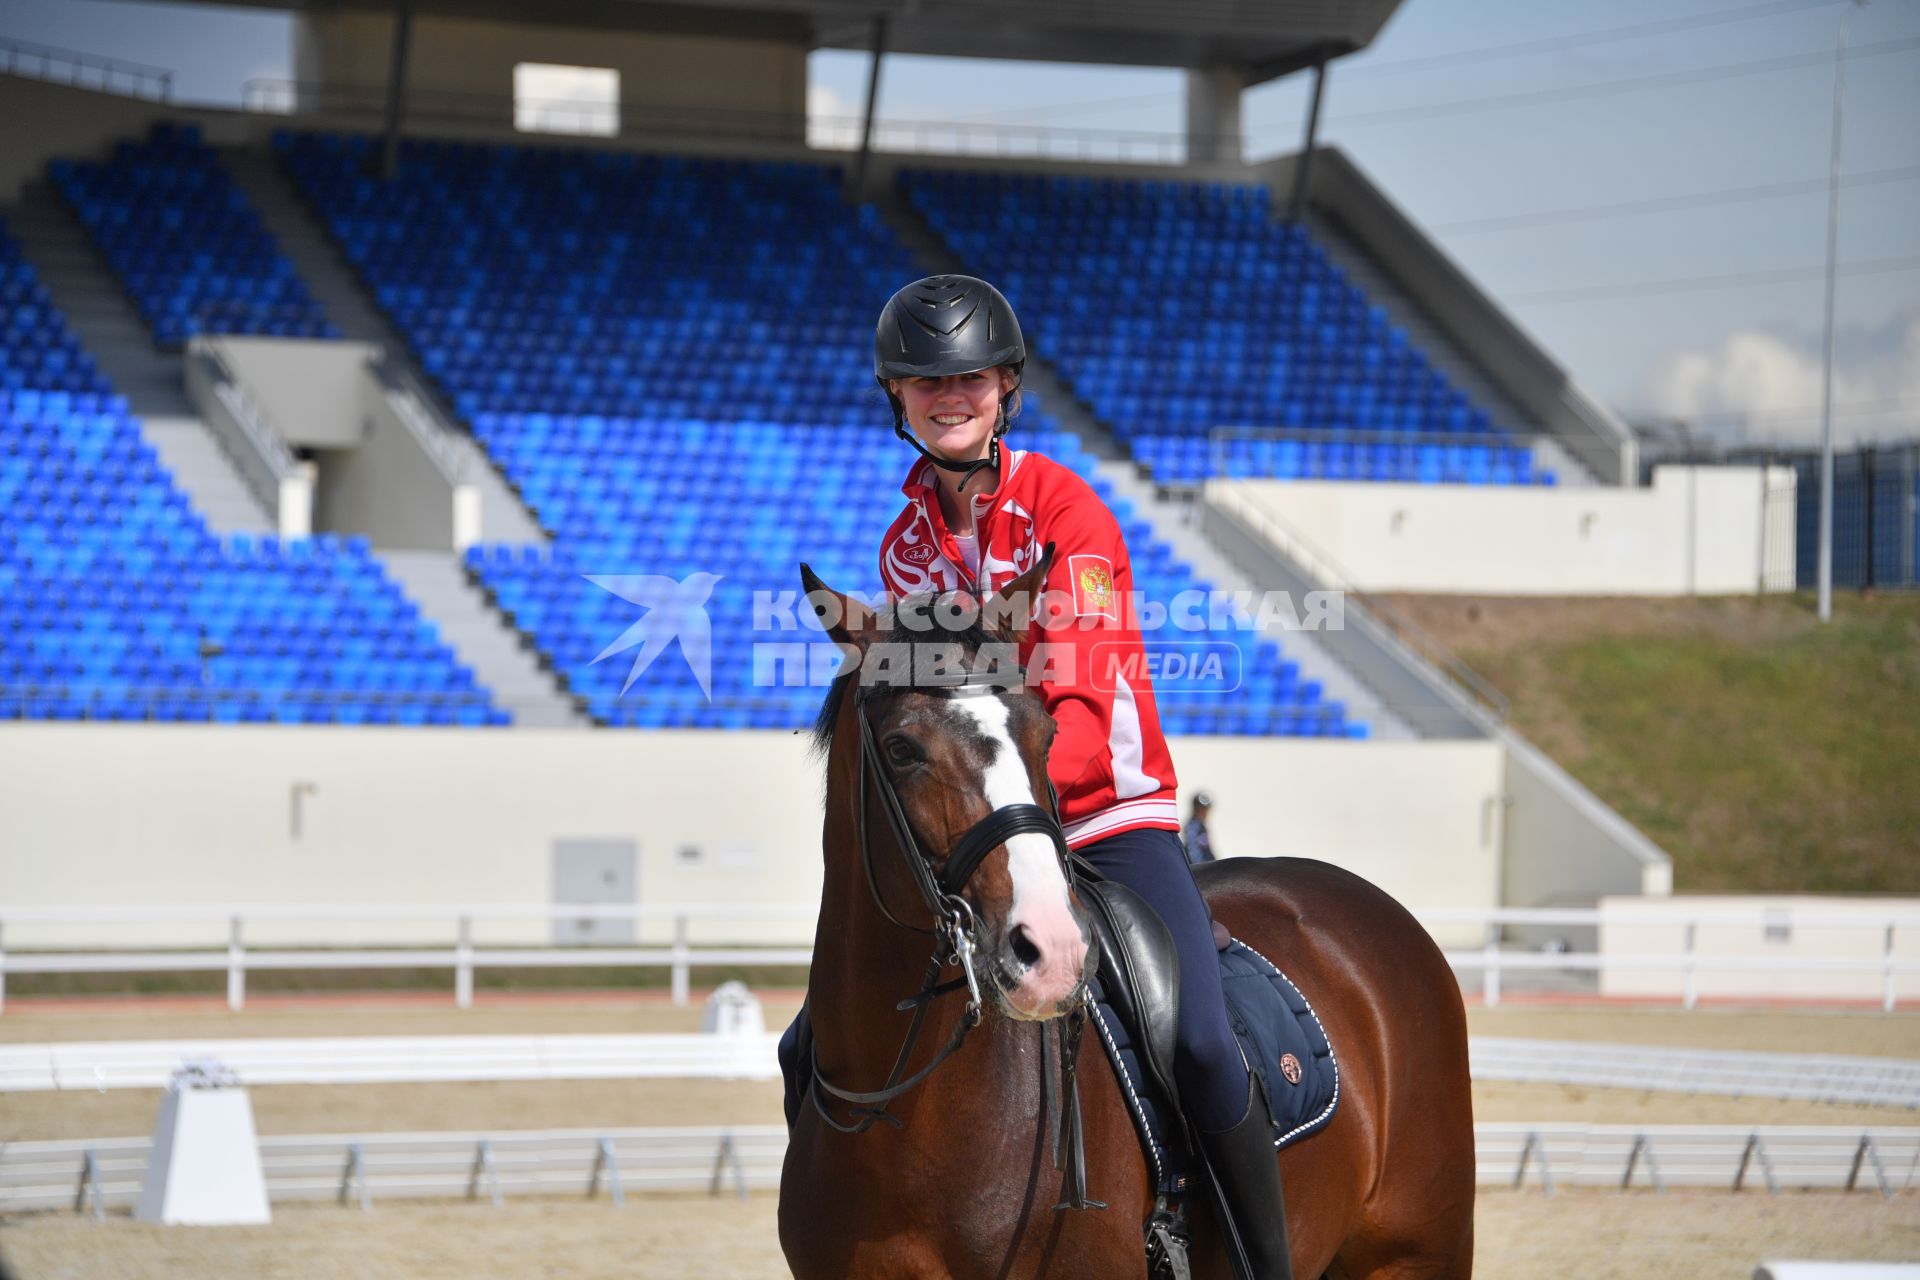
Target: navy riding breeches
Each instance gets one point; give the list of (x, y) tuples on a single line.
[(1207, 1063)]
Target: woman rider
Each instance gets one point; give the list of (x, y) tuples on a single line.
[(948, 352)]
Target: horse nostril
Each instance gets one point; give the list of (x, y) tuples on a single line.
[(1023, 949)]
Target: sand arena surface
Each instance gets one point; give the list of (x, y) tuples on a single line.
[(1593, 1235), (1583, 1233)]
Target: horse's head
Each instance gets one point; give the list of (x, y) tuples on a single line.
[(954, 732)]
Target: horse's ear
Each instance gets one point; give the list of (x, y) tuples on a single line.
[(1013, 607), (848, 619)]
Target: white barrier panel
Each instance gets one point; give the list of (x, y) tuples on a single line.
[(149, 1064), (366, 1168), (750, 1054), (1871, 1082), (1837, 1271)]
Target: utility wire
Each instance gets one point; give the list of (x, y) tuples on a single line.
[(1580, 40), (1607, 88), (1693, 284), (1664, 204)]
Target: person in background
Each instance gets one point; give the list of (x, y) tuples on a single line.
[(1199, 844)]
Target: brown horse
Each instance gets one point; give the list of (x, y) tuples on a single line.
[(958, 1177)]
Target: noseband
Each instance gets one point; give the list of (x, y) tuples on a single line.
[(956, 928)]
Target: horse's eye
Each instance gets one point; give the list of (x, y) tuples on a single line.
[(902, 752)]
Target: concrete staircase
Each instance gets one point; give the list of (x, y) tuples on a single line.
[(482, 639), (1461, 370), (300, 235), (206, 475), (84, 288), (303, 237)]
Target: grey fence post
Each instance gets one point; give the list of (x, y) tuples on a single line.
[(1861, 1154), (483, 1164), (90, 1186), (605, 1159), (3, 967), (1642, 1146), (729, 1153), (356, 1172), (1754, 1148), (1538, 1150)]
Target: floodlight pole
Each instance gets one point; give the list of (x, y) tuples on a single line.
[(1303, 173), (396, 88), (1825, 559), (873, 104)]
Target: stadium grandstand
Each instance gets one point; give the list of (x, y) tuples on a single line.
[(373, 402), (359, 406), (406, 481)]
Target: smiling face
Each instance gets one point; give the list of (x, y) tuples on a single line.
[(954, 416)]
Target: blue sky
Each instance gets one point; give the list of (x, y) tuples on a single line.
[(1617, 298)]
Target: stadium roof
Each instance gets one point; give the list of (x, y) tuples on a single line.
[(1261, 38)]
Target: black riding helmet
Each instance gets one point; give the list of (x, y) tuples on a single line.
[(944, 325)]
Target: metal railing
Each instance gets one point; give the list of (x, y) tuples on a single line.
[(85, 70), (362, 1169), (92, 1175), (237, 958), (820, 132), (54, 700), (1493, 961)]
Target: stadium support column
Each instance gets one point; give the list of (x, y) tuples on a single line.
[(1213, 114), (859, 189), (396, 88), (1303, 172)]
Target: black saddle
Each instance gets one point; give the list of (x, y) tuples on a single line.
[(1139, 973)]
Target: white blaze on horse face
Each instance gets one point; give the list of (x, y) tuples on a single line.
[(1040, 902)]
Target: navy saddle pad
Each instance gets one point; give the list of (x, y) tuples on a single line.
[(1281, 1039)]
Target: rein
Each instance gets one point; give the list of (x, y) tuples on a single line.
[(956, 939)]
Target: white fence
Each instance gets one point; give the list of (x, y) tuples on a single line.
[(1495, 961), (1830, 1078), (149, 1064), (367, 1168)]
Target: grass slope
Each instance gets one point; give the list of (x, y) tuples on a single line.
[(1764, 751)]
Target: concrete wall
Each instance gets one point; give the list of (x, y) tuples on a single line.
[(309, 387), (386, 486), (1850, 929), (1695, 530), (470, 56), (135, 814)]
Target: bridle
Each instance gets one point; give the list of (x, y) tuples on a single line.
[(956, 928)]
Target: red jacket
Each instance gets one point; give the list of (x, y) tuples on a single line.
[(1109, 761)]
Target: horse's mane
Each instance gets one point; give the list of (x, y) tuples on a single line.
[(973, 635)]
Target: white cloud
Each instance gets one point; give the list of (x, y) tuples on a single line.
[(1765, 386), (832, 121)]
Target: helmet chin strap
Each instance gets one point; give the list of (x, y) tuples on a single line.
[(968, 469)]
